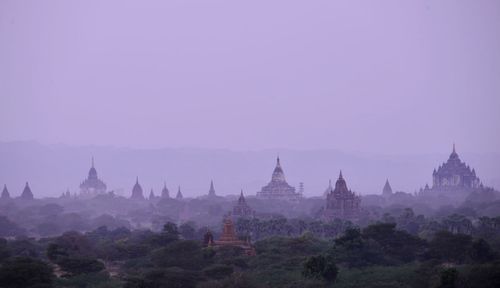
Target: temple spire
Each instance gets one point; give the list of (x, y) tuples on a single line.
[(5, 193), (340, 175), (211, 191), (92, 161), (27, 194), (164, 192), (179, 194), (387, 190)]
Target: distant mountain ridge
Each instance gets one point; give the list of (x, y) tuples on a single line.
[(52, 169)]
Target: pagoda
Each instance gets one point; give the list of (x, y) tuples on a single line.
[(241, 209), (164, 192), (229, 238), (137, 191), (278, 188), (92, 186), (179, 194), (5, 193), (27, 194), (211, 191), (387, 190), (152, 195), (454, 175), (341, 202)]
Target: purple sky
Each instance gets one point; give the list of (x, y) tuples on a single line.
[(373, 76)]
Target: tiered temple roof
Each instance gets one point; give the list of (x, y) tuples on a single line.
[(454, 174), (342, 202), (92, 186), (278, 188)]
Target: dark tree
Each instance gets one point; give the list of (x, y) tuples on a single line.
[(481, 251), (23, 272), (320, 267), (447, 246), (448, 278)]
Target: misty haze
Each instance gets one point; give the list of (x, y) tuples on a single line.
[(249, 144)]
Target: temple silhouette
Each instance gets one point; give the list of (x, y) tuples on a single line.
[(92, 186), (278, 188), (341, 202)]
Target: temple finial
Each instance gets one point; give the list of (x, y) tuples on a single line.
[(92, 161), (241, 192), (137, 179), (454, 148), (340, 175)]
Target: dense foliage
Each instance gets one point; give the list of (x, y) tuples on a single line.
[(71, 243), (378, 255)]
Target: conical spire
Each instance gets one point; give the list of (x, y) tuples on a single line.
[(211, 191), (27, 194), (137, 190), (92, 161), (242, 197), (5, 193), (454, 154), (179, 194), (340, 175), (387, 188), (278, 174), (164, 192)]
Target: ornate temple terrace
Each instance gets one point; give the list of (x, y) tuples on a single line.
[(278, 188), (454, 174)]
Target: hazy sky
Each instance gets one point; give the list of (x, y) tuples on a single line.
[(375, 76)]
